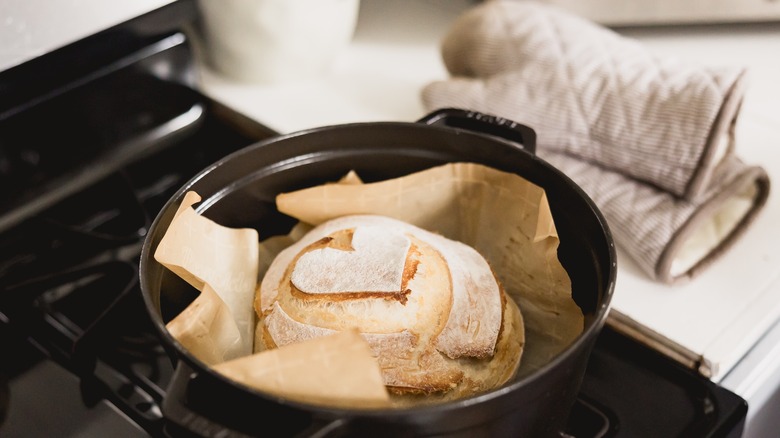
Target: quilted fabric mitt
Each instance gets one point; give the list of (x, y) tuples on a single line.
[(643, 152), (593, 93), (672, 240)]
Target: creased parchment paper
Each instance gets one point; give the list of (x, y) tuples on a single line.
[(218, 326), (207, 329), (289, 370), (505, 217), (502, 215), (203, 252)]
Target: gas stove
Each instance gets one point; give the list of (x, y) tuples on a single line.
[(94, 139)]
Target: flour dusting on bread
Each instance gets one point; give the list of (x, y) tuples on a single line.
[(373, 263)]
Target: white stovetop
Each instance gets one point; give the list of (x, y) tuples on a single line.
[(395, 52)]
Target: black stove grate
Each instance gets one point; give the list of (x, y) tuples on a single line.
[(69, 273)]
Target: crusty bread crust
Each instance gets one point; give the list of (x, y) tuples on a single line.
[(438, 320)]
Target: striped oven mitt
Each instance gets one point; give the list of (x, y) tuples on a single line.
[(649, 139)]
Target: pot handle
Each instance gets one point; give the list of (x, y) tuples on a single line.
[(485, 124), (174, 408)]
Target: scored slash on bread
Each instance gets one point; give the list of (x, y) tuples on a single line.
[(431, 308)]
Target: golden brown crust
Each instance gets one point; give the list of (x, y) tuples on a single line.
[(479, 375), (422, 348)]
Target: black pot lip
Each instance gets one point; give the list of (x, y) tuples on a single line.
[(181, 353)]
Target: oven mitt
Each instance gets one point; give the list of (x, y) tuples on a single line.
[(671, 233), (669, 238), (595, 94)]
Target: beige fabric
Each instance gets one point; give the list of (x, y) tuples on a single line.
[(650, 140), (592, 93), (656, 228)]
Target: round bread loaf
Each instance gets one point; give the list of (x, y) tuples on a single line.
[(431, 308)]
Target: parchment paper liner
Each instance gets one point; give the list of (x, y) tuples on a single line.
[(505, 217)]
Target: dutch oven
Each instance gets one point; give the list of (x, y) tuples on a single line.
[(239, 191)]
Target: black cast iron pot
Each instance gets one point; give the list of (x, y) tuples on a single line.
[(239, 191)]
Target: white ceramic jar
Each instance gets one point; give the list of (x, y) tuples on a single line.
[(275, 40)]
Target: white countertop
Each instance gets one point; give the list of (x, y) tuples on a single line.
[(395, 53), (30, 28)]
